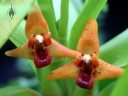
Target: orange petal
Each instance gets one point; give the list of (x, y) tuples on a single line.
[(89, 42), (36, 23), (106, 71), (55, 49), (69, 70), (24, 52), (58, 50)]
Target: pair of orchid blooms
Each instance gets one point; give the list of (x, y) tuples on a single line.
[(85, 66)]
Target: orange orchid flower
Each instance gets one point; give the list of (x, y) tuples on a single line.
[(86, 65), (89, 67), (40, 46)]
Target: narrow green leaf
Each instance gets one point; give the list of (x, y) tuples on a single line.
[(121, 87), (17, 90), (107, 90), (52, 7), (115, 51), (73, 14), (91, 9), (8, 25), (48, 12), (63, 22)]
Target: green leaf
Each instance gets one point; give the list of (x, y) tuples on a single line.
[(91, 9), (63, 22), (115, 51), (121, 87), (18, 37), (18, 91), (73, 14), (8, 25), (48, 12), (104, 83), (107, 90), (81, 92)]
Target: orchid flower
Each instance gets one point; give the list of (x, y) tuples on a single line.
[(88, 67), (85, 66), (40, 47)]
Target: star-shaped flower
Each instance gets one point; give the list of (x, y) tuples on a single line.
[(40, 46), (86, 65), (89, 67)]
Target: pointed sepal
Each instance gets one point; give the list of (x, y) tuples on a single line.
[(55, 50), (58, 50), (36, 23), (23, 52), (89, 42), (69, 70), (107, 71)]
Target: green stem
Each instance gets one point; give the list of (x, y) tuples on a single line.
[(63, 23), (48, 88)]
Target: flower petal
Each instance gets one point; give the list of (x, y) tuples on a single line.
[(106, 71), (58, 50), (36, 23), (69, 70), (55, 49), (24, 52), (89, 42)]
